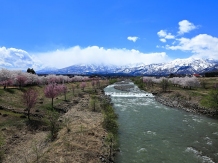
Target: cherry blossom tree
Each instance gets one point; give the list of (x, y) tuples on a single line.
[(148, 81), (5, 78), (21, 80), (32, 79), (83, 85), (6, 83), (51, 79), (30, 98), (190, 82), (51, 91), (175, 81), (64, 91)]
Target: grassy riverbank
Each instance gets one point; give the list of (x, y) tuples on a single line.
[(84, 126)]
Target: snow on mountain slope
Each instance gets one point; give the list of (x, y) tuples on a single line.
[(178, 66)]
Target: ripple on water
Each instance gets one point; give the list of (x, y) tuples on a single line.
[(197, 120), (215, 133), (150, 133), (123, 109), (199, 155), (212, 124), (173, 131), (208, 141), (118, 105), (110, 86), (141, 150)]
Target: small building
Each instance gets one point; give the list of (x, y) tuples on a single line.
[(197, 75)]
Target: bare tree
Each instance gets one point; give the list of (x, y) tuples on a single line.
[(165, 83)]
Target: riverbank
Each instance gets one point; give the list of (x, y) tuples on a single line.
[(189, 106), (185, 99), (81, 137)]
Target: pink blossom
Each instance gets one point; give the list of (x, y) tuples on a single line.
[(30, 98), (51, 91), (83, 85)]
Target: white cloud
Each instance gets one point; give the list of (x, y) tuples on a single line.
[(185, 26), (169, 36), (132, 38), (164, 35), (99, 55), (12, 58), (201, 46), (163, 40)]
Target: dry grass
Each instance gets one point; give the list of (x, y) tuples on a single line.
[(80, 139)]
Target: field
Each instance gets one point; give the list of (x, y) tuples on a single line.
[(77, 126)]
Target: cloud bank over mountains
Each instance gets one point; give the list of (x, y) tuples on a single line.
[(199, 46), (100, 55), (12, 58)]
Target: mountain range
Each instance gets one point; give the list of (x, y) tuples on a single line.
[(178, 66)]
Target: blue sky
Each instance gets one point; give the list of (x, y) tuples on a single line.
[(60, 33)]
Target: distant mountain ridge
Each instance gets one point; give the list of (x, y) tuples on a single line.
[(178, 66)]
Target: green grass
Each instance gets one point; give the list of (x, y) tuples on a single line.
[(12, 97), (11, 121)]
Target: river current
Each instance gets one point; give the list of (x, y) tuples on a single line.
[(150, 132)]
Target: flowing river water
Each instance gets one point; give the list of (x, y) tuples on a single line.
[(150, 132)]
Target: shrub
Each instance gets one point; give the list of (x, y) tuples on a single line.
[(110, 123), (53, 124)]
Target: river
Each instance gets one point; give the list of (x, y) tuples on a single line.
[(150, 132)]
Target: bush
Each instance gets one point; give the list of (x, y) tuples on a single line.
[(54, 125), (110, 123), (211, 100), (112, 81), (139, 82)]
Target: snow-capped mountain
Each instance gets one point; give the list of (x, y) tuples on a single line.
[(178, 66), (12, 58)]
